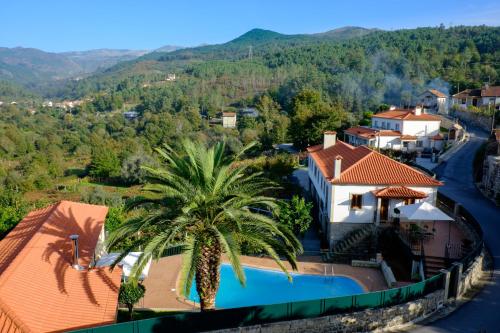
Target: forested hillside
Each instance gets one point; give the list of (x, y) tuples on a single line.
[(301, 85)]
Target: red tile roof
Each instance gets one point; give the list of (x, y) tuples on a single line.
[(39, 290), (491, 91), (399, 192), (408, 138), (406, 114), (228, 114), (437, 137), (361, 165), (370, 133), (437, 93)]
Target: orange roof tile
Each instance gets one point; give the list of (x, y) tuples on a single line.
[(228, 114), (370, 133), (39, 290), (399, 192), (437, 93), (361, 165), (437, 137), (406, 114), (408, 138)]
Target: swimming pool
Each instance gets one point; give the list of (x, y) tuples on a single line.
[(272, 287)]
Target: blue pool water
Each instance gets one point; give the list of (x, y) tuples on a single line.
[(271, 287)]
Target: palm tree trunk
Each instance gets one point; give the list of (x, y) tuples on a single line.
[(208, 274)]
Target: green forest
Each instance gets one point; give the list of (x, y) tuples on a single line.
[(301, 86)]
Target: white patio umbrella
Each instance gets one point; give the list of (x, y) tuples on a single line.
[(423, 211)]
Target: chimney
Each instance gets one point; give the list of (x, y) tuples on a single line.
[(329, 139), (418, 110), (74, 243), (337, 166)]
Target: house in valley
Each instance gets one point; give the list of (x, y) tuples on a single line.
[(229, 119), (434, 101), (486, 96), (48, 278), (399, 129), (357, 186)]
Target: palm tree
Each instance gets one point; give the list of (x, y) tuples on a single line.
[(202, 199)]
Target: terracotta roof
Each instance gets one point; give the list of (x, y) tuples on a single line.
[(468, 93), (437, 137), (408, 138), (361, 165), (437, 93), (39, 290), (360, 131), (492, 91), (399, 192), (370, 133), (406, 114), (228, 114)]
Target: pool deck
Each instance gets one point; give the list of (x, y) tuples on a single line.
[(162, 290)]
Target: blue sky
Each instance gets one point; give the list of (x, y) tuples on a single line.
[(66, 25)]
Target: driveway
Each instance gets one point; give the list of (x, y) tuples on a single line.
[(481, 314)]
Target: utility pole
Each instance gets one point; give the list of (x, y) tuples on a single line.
[(250, 52)]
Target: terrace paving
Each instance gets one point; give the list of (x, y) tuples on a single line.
[(162, 290)]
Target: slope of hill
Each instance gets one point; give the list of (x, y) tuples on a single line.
[(27, 65), (256, 42), (92, 60)]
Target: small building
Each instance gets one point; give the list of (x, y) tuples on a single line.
[(491, 172), (249, 112), (229, 119), (170, 77), (398, 129), (434, 101), (131, 115), (356, 187), (48, 104), (488, 95), (48, 280)]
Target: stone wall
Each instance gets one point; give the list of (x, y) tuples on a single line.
[(473, 118), (472, 276), (362, 321)]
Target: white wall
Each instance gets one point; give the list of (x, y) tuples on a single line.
[(341, 202), (392, 142), (390, 124)]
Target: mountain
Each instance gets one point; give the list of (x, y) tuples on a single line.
[(256, 41), (168, 48), (345, 33), (35, 69), (26, 66), (93, 60)]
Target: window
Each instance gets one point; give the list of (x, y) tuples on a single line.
[(464, 100), (409, 201), (376, 123), (397, 127), (383, 124), (420, 144), (356, 201), (405, 144)]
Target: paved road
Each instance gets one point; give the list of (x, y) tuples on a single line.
[(482, 314)]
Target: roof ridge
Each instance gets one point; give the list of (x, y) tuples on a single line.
[(408, 167), (15, 321), (15, 260), (358, 161)]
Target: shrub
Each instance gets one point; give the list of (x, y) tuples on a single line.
[(296, 214), (130, 293)]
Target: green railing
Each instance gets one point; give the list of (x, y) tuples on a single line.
[(254, 315)]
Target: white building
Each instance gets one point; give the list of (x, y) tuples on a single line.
[(229, 119), (357, 186), (399, 129), (478, 97), (434, 101)]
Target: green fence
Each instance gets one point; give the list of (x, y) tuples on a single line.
[(254, 315)]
